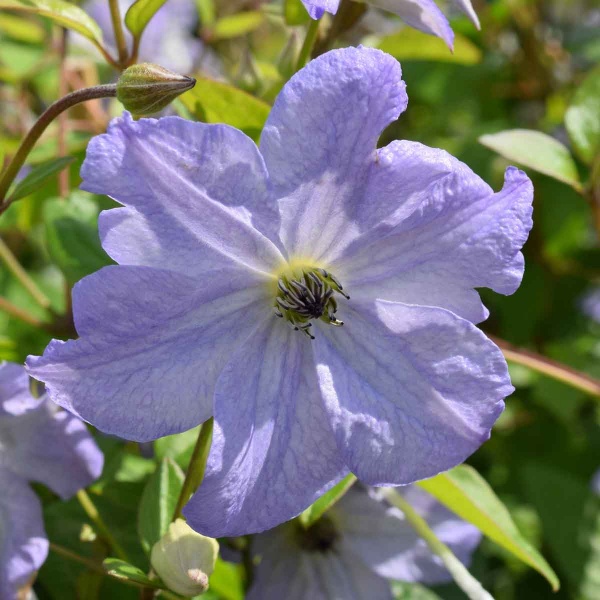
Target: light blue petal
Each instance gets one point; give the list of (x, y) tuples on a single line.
[(153, 344), (411, 391), (273, 451), (423, 15), (15, 397), (378, 535), (448, 234), (23, 543), (320, 141), (196, 194), (466, 7), (316, 8)]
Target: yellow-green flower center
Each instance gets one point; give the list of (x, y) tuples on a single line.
[(307, 294)]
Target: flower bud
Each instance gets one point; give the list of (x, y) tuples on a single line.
[(184, 559), (147, 88)]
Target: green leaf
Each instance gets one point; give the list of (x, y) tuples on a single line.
[(403, 590), (38, 175), (140, 13), (410, 44), (226, 580), (158, 502), (21, 29), (535, 150), (582, 118), (236, 25), (123, 570), (326, 501), (64, 13), (217, 102), (295, 13), (72, 235), (468, 495)]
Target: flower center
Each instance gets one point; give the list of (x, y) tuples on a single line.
[(319, 537), (305, 295)]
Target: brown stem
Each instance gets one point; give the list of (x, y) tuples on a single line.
[(550, 368)]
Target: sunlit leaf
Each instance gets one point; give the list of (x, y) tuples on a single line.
[(158, 502), (140, 13), (38, 176), (18, 28), (582, 118), (468, 495), (295, 13), (535, 150), (216, 102), (226, 581), (410, 44), (64, 13), (236, 25)]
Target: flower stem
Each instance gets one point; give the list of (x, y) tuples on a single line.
[(465, 581), (550, 368), (308, 45), (19, 313), (9, 259), (92, 512), (197, 466), (55, 109), (115, 17)]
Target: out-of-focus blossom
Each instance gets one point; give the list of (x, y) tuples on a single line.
[(168, 40), (423, 15), (355, 548), (590, 304), (38, 442), (232, 258)]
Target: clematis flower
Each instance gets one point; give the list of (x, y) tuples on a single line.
[(37, 443), (168, 39), (423, 15), (237, 266), (355, 548)]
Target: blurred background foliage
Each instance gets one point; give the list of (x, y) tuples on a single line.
[(523, 70)]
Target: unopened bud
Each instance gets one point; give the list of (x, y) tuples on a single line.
[(147, 88), (184, 559)]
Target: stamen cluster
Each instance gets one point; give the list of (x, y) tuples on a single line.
[(306, 296)]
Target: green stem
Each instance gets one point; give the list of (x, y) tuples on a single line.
[(549, 367), (55, 109), (308, 45), (115, 16), (9, 259), (197, 466), (465, 581), (92, 512)]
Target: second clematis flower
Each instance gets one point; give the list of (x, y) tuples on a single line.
[(237, 267), (423, 15)]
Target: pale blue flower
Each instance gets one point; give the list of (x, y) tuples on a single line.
[(423, 15), (223, 248), (38, 442), (354, 550)]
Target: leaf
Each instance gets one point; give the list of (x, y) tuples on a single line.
[(120, 569), (237, 25), (410, 44), (72, 236), (38, 175), (535, 150), (18, 28), (140, 13), (226, 581), (64, 13), (158, 502), (217, 102), (468, 495), (326, 501), (582, 118), (402, 590)]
